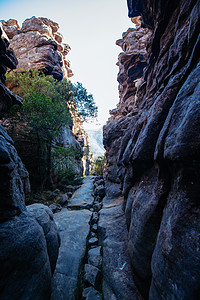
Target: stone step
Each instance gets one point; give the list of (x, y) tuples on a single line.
[(83, 197), (74, 228)]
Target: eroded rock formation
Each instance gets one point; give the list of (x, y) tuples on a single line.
[(29, 240), (152, 143), (38, 45), (7, 60)]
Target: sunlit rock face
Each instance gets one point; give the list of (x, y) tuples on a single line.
[(153, 149), (38, 45), (131, 63)]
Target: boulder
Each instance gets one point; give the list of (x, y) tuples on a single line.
[(82, 198), (92, 276), (91, 294), (63, 199), (118, 280), (25, 267), (100, 191), (44, 217), (94, 257)]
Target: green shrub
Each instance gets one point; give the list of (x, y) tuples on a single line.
[(99, 163)]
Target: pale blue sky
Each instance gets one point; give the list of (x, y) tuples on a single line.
[(91, 28)]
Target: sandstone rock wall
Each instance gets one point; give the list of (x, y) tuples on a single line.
[(29, 240), (38, 45), (152, 147)]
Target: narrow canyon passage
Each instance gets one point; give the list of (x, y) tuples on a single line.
[(93, 262), (131, 230)]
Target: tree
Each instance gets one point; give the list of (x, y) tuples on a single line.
[(84, 102), (46, 109), (46, 106), (99, 163), (47, 118)]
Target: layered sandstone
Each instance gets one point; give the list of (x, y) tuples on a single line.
[(38, 45), (153, 149)]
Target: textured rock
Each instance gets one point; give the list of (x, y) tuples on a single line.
[(73, 227), (25, 262), (83, 198), (92, 276), (91, 294), (38, 45), (7, 60), (152, 147), (94, 257), (25, 268), (117, 274), (44, 217), (11, 188)]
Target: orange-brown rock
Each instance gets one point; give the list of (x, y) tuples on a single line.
[(38, 45)]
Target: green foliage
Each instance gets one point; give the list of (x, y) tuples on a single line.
[(47, 117), (84, 102), (46, 107), (65, 160), (99, 164)]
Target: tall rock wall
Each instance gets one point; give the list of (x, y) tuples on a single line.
[(152, 147), (29, 240)]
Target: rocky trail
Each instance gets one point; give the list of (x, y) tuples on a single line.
[(93, 261)]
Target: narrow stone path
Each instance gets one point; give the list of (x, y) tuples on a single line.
[(73, 226), (93, 256)]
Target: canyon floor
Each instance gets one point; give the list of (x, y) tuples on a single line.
[(93, 262)]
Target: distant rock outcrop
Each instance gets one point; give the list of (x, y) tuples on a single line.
[(38, 45), (152, 147)]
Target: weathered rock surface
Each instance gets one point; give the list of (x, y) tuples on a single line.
[(74, 228), (92, 276), (118, 280), (25, 268), (7, 60), (83, 198), (25, 258), (38, 45), (11, 188), (152, 147), (94, 257), (91, 294), (44, 217)]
